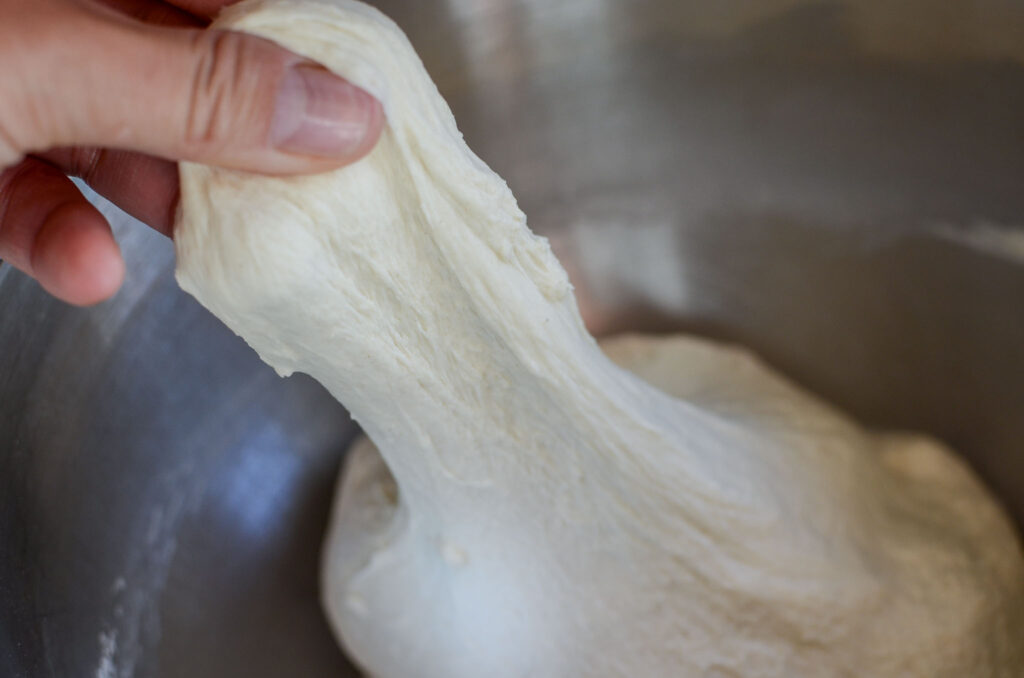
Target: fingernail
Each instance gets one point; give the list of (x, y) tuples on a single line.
[(318, 113)]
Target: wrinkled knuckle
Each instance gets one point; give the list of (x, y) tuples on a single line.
[(220, 88), (35, 51)]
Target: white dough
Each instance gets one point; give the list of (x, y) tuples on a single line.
[(535, 510)]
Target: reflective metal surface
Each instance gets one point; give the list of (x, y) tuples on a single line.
[(838, 185)]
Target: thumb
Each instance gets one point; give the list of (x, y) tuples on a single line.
[(216, 97)]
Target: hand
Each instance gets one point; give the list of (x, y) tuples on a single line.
[(114, 91)]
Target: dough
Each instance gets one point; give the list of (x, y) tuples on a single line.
[(535, 509)]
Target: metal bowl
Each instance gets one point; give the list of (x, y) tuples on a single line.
[(839, 185)]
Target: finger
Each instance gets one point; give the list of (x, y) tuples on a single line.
[(50, 231), (215, 97), (141, 185)]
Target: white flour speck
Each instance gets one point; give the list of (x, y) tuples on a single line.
[(108, 647)]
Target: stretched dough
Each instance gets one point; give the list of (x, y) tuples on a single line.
[(535, 509)]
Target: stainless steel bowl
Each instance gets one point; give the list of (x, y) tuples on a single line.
[(839, 185)]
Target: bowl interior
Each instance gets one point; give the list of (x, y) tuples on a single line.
[(837, 185)]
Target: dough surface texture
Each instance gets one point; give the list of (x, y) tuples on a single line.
[(539, 507)]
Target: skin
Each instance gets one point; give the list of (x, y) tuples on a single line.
[(117, 91)]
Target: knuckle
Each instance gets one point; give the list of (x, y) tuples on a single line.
[(36, 52), (220, 89)]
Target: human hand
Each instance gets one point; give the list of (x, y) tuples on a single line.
[(114, 91)]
